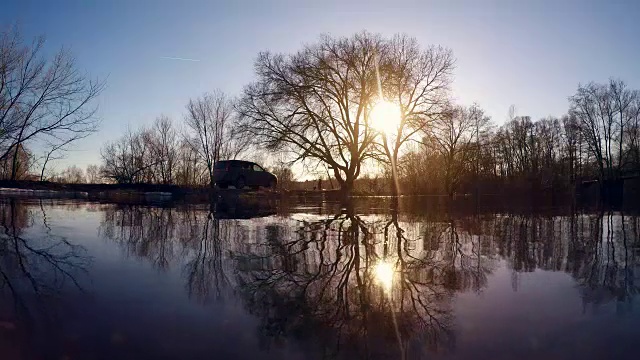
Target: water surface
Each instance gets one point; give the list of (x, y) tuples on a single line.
[(82, 280)]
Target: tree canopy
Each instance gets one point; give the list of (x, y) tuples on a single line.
[(318, 102)]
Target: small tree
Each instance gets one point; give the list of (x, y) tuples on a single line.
[(211, 120), (72, 175), (93, 174), (163, 139)]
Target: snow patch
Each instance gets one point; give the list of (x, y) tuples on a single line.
[(42, 193)]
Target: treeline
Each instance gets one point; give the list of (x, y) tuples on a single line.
[(166, 154), (596, 139), (185, 154), (318, 107), (365, 113)]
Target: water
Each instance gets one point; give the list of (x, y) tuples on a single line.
[(83, 280)]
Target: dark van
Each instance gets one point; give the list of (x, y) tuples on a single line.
[(240, 173)]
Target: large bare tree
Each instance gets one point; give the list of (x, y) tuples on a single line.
[(41, 99), (314, 103), (417, 81), (318, 102)]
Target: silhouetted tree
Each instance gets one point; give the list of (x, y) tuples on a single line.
[(605, 112), (417, 80), (211, 119), (93, 174), (453, 136), (41, 99), (318, 102)]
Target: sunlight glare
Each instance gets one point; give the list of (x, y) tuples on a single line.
[(383, 272), (386, 117)]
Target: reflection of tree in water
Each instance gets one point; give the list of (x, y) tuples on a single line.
[(165, 235), (607, 264), (599, 250), (143, 231), (323, 282), (315, 278), (306, 275), (463, 253), (205, 268), (36, 265)]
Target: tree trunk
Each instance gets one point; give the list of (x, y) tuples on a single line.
[(44, 165), (14, 165), (212, 181), (346, 188), (395, 191)]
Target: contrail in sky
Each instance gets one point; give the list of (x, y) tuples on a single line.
[(178, 58)]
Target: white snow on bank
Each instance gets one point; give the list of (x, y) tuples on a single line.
[(157, 195), (41, 193)]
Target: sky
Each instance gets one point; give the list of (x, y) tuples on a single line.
[(530, 54)]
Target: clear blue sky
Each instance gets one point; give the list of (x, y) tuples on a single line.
[(531, 54)]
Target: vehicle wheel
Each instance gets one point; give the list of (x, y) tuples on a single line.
[(240, 183), (223, 186), (272, 184)]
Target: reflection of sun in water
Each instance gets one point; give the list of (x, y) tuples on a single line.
[(383, 273), (386, 117)]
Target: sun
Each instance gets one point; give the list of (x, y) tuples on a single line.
[(385, 117), (384, 274)]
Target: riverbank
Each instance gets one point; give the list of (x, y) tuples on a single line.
[(587, 194), (142, 193)]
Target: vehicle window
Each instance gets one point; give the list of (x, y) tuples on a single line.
[(220, 165), (257, 168)]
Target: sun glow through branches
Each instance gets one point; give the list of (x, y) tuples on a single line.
[(385, 117), (384, 273)]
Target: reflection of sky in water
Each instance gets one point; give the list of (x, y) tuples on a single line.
[(176, 283)]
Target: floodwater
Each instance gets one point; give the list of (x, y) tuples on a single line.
[(82, 280)]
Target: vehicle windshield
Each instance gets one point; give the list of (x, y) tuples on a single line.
[(220, 165)]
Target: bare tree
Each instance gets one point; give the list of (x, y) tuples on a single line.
[(453, 135), (281, 167), (571, 141), (317, 103), (604, 113), (41, 99), (163, 140), (127, 159), (632, 136), (189, 168), (57, 150), (72, 175), (417, 81), (211, 119), (625, 101), (93, 174), (18, 169), (156, 154)]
